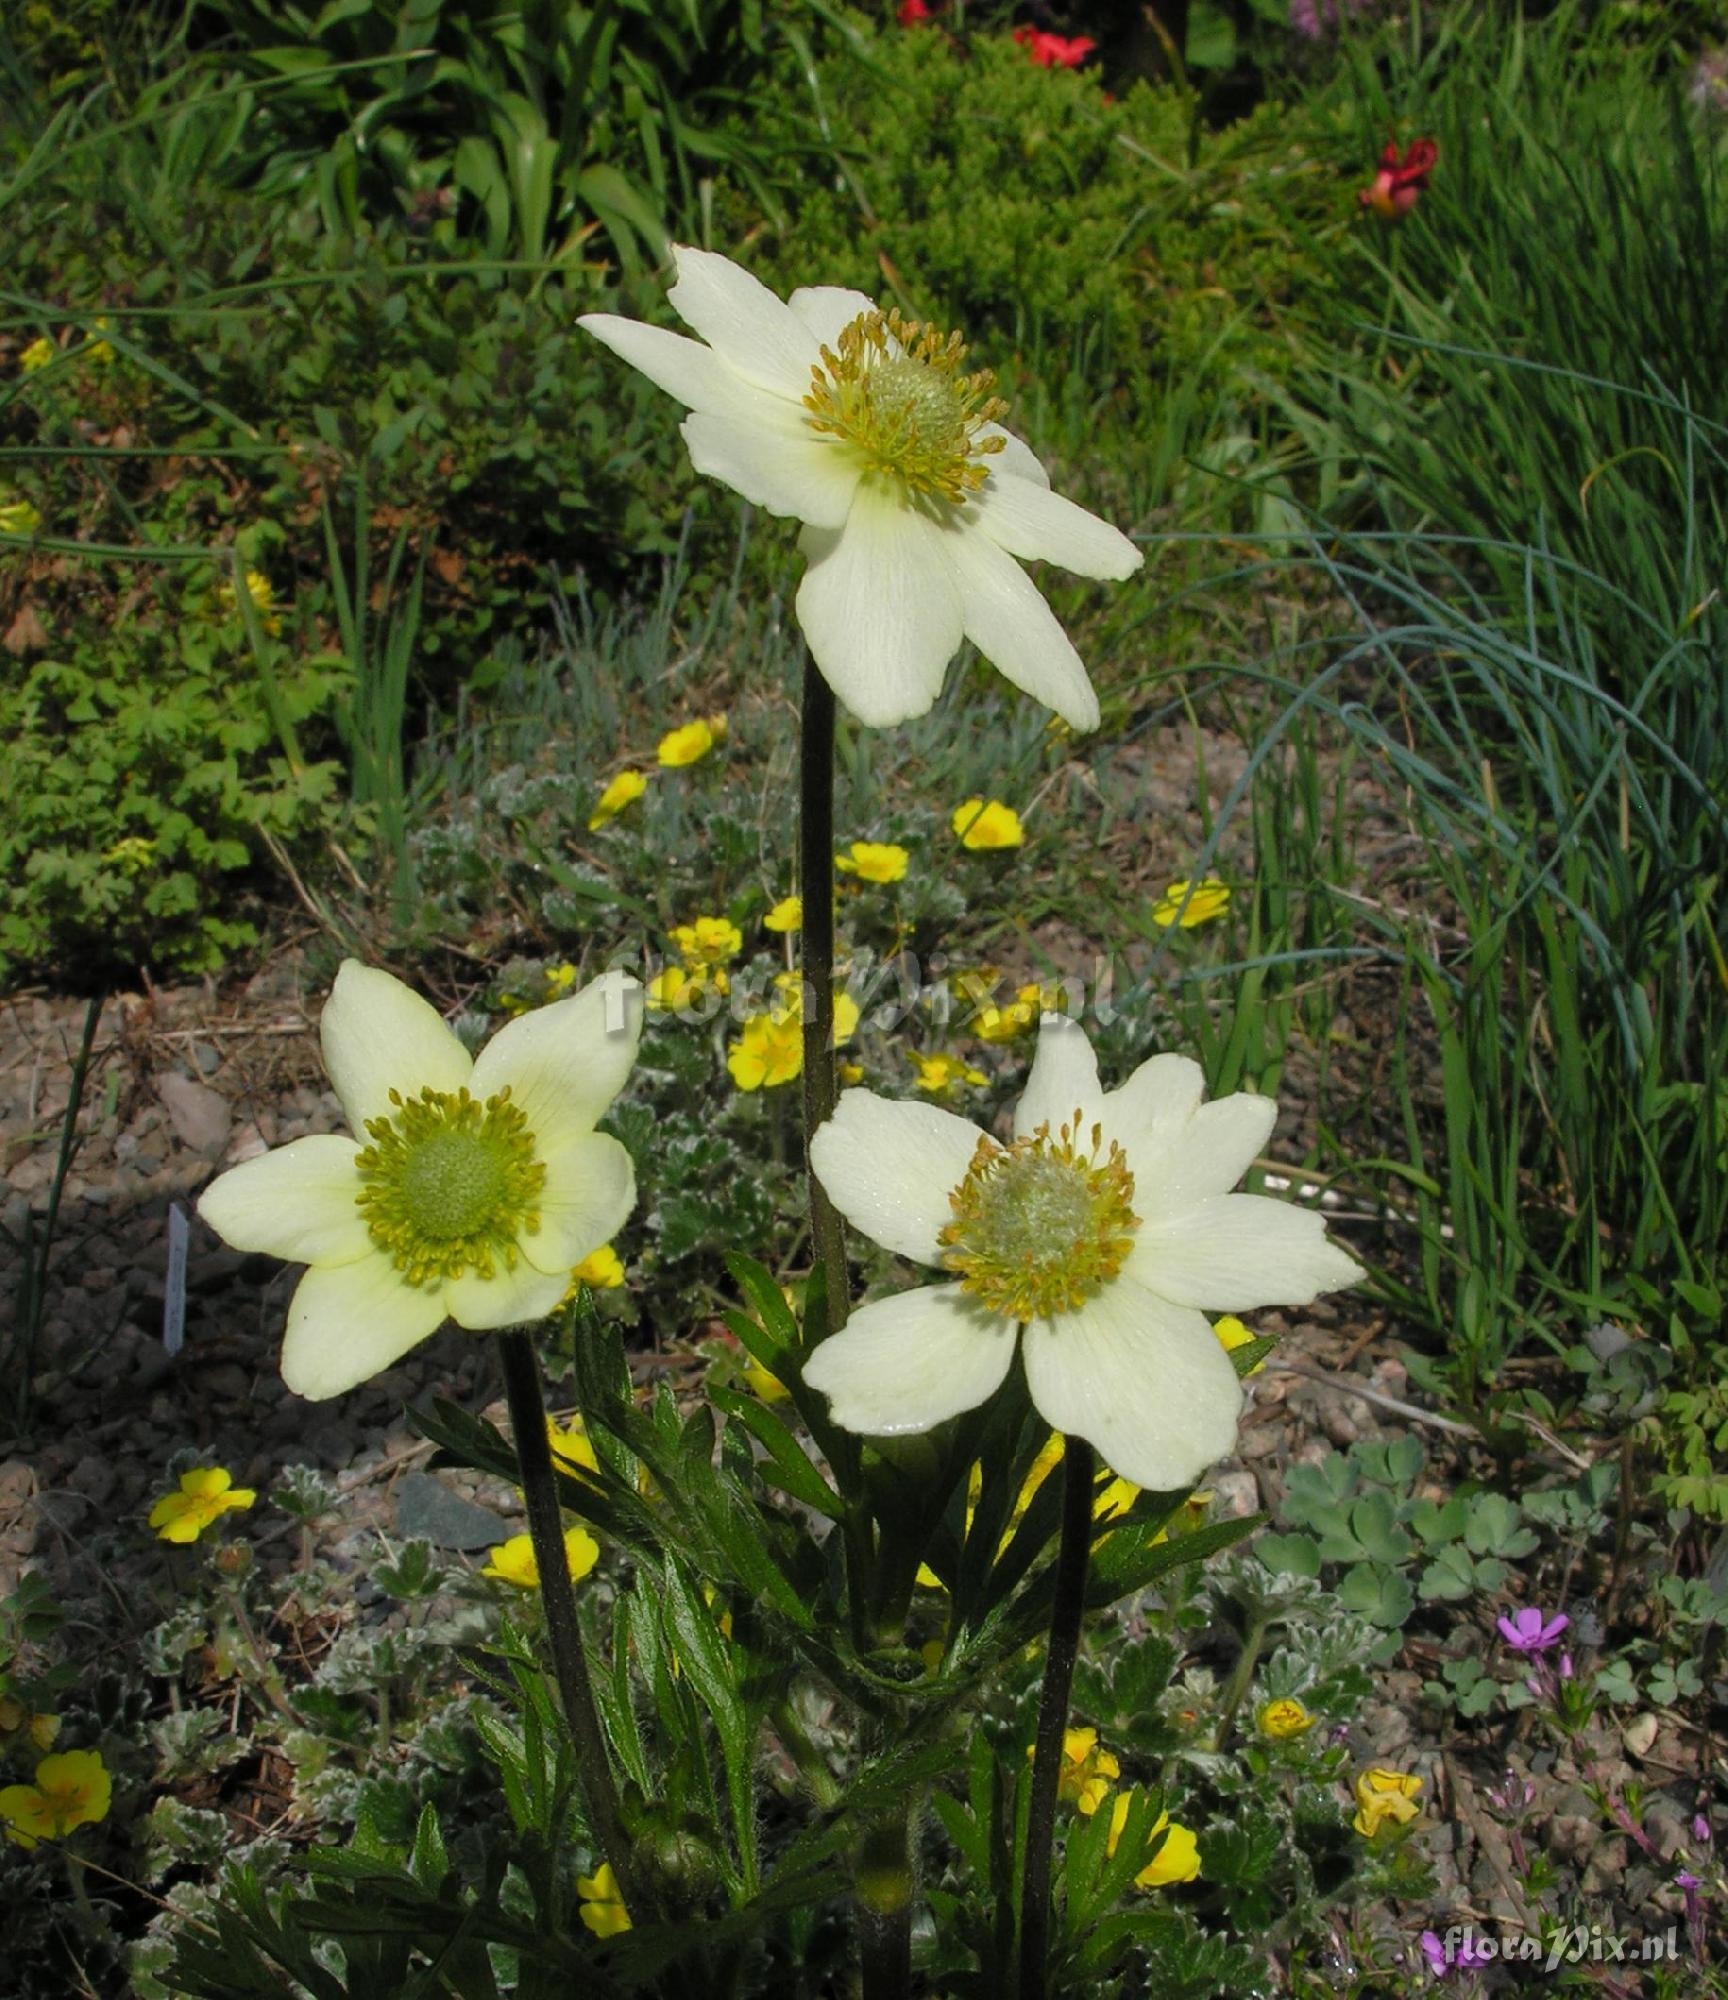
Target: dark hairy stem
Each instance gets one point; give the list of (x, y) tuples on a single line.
[(563, 1632), (816, 934), (1079, 1467)]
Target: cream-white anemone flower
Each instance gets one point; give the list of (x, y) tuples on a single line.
[(1099, 1239), (918, 507), (472, 1189)]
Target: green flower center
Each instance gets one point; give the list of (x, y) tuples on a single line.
[(450, 1185), (897, 392), (1040, 1226)]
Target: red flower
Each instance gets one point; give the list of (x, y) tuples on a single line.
[(913, 12), (1400, 181), (1054, 51)]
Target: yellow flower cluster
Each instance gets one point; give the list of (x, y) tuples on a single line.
[(786, 916), (205, 1495), (677, 749), (1177, 1860), (705, 947), (769, 1050), (18, 517), (943, 1076), (262, 594)]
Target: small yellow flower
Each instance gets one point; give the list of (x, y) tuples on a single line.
[(206, 1494), (768, 1051), (603, 1908), (691, 743), (1232, 1334), (559, 980), (1383, 1795), (1003, 1024), (1280, 1720), (786, 915), (37, 355), (263, 595), (1087, 1770), (514, 1561), (18, 517), (623, 790), (677, 987), (873, 861), (942, 1076), (72, 1789), (17, 1720), (99, 350), (850, 1073), (1178, 1860), (601, 1270), (987, 825), (708, 941), (132, 854), (1210, 899)]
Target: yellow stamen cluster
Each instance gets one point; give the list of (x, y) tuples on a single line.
[(897, 392), (449, 1184), (1041, 1226)]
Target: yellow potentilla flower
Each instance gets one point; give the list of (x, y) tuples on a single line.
[(786, 915), (263, 595), (1004, 1024), (691, 743), (942, 1076), (570, 1443), (603, 1908), (601, 1270), (1280, 1720), (205, 1495), (1087, 1770), (1178, 1860), (559, 980), (99, 350), (850, 1073), (764, 1381), (133, 854), (621, 791), (72, 1789), (18, 517), (1384, 1795), (17, 1720), (1232, 1334), (678, 986), (873, 861), (708, 941), (768, 1051), (37, 355), (1210, 899), (514, 1561), (980, 824)]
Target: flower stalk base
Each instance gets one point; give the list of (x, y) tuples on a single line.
[(1079, 1469)]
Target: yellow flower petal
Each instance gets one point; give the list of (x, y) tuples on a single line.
[(786, 915)]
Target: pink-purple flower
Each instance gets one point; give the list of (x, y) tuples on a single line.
[(1529, 1631), (1444, 1957)]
